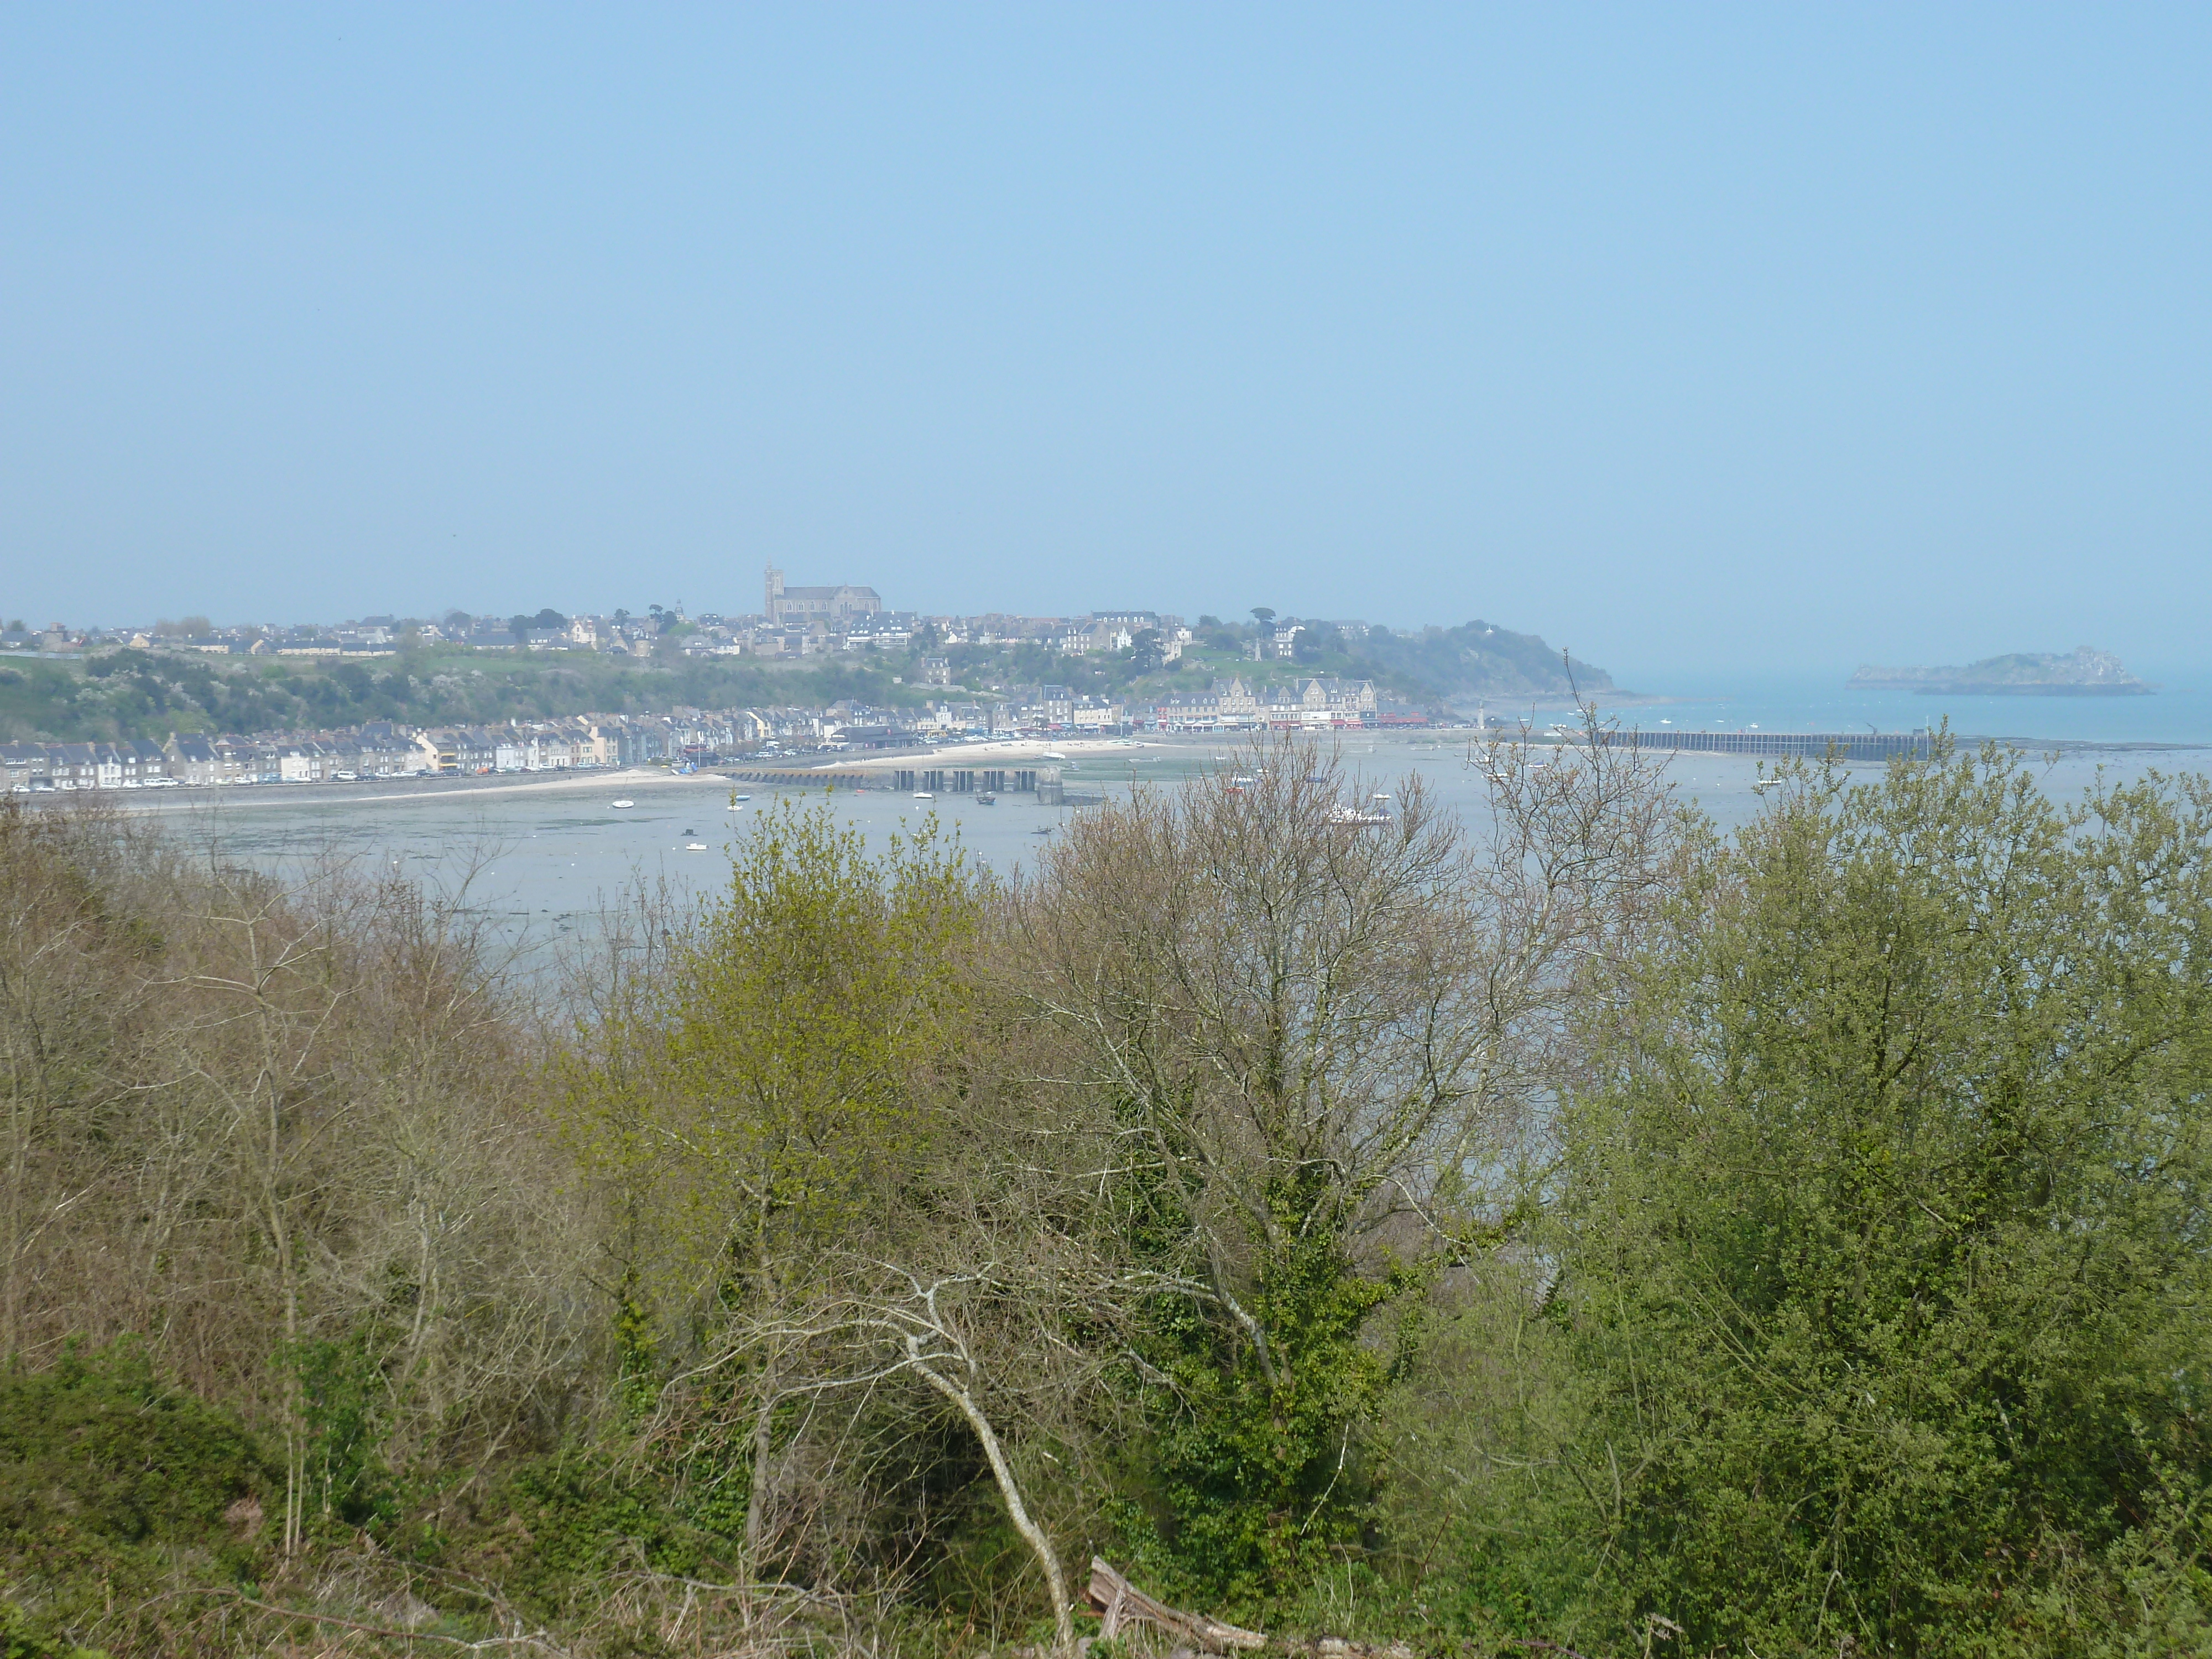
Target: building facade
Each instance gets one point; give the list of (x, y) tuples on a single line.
[(789, 607)]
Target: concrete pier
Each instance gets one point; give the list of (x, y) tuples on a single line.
[(1844, 746)]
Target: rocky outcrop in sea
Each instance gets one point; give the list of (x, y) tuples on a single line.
[(2083, 673)]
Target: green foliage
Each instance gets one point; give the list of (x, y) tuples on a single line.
[(1249, 1475), (97, 1447), (758, 1099), (1477, 1526), (108, 1478), (132, 693), (764, 1084), (552, 1530), (1884, 1237), (1256, 1469), (21, 1638), (1863, 1309), (1478, 659), (1282, 1019), (341, 1385)]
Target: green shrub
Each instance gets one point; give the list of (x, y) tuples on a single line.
[(22, 1638), (110, 1481), (550, 1531), (1256, 1479), (344, 1477), (1885, 1239)]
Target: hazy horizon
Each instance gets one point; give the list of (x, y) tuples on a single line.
[(1707, 345)]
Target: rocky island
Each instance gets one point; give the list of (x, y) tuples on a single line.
[(2083, 673)]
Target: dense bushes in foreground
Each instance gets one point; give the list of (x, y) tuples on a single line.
[(1572, 1229)]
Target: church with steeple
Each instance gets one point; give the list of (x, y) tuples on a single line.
[(798, 607)]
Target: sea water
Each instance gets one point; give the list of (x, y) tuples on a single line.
[(545, 860), (2178, 713)]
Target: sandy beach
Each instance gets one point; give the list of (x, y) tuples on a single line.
[(628, 781), (798, 771)]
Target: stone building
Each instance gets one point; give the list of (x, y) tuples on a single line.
[(799, 607)]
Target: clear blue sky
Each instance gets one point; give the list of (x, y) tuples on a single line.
[(1771, 336)]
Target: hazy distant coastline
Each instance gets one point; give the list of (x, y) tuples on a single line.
[(2083, 673)]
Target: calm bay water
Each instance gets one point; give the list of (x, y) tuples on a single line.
[(2180, 713), (544, 858)]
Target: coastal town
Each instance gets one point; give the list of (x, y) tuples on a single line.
[(941, 702)]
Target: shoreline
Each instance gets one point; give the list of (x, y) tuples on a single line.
[(817, 771), (566, 781)]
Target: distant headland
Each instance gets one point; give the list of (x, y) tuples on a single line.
[(2083, 673)]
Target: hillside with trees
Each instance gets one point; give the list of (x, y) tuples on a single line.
[(1479, 659), (131, 691), (1572, 1231), (134, 693)]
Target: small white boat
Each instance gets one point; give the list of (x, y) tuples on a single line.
[(625, 803), (923, 795), (741, 797), (1376, 811), (694, 846)]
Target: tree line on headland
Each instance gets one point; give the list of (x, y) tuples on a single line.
[(1572, 1230), (128, 691)]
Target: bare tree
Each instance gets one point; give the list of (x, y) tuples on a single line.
[(906, 1325), (243, 1115), (71, 1007), (1275, 988), (1304, 1030)]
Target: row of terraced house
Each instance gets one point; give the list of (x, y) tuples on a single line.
[(386, 749), (1318, 700), (380, 749), (131, 764)]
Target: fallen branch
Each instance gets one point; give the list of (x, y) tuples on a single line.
[(1121, 1602)]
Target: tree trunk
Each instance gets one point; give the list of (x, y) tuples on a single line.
[(764, 1450), (1063, 1622)]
